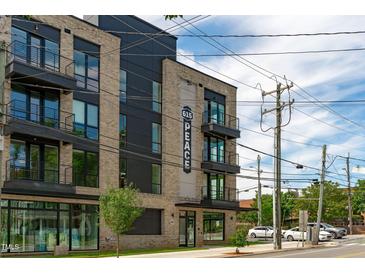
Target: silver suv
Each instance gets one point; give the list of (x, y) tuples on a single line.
[(336, 232)]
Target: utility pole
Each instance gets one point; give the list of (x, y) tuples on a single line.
[(349, 192), (277, 161), (2, 81), (321, 189), (259, 204)]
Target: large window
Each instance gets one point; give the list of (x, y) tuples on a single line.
[(149, 223), (40, 226), (213, 226), (123, 86), (214, 112), (156, 96), (36, 50), (32, 161), (86, 121), (86, 70), (84, 227), (214, 186), (85, 167), (214, 149), (122, 130), (38, 107), (156, 178), (156, 138)]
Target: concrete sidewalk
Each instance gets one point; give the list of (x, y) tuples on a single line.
[(226, 252)]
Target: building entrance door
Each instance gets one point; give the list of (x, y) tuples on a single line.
[(187, 228)]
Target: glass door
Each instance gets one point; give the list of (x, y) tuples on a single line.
[(187, 228)]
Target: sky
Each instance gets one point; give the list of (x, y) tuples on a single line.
[(326, 76)]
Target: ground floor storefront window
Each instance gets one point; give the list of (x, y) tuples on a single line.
[(29, 226), (213, 226)]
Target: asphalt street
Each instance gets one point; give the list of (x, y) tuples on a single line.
[(346, 249)]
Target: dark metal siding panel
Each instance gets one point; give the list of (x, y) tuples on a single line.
[(214, 96), (35, 27), (141, 70), (148, 224), (86, 46)]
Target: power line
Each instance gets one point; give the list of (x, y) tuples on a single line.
[(244, 35), (248, 53)]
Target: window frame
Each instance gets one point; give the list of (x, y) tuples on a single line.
[(85, 172), (123, 180), (86, 126), (210, 220), (84, 79), (158, 142), (122, 83), (42, 51), (158, 185), (123, 141), (214, 143), (156, 98)]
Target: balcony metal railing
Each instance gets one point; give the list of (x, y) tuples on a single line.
[(38, 56), (47, 116), (222, 119), (223, 157), (21, 169), (221, 194)]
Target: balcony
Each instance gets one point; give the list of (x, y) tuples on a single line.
[(30, 64), (221, 124), (43, 122), (224, 198), (227, 163), (24, 177)]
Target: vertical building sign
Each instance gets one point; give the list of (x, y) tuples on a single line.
[(187, 115)]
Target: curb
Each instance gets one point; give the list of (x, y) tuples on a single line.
[(279, 251)]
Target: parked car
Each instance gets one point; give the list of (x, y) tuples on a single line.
[(336, 232), (261, 232), (294, 234)]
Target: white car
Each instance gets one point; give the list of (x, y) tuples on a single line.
[(294, 235), (261, 232)]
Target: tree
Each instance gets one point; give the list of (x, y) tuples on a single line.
[(334, 202), (171, 17), (288, 204), (358, 198), (120, 208), (287, 207), (251, 216), (239, 238)]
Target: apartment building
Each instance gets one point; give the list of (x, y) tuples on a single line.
[(90, 104)]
